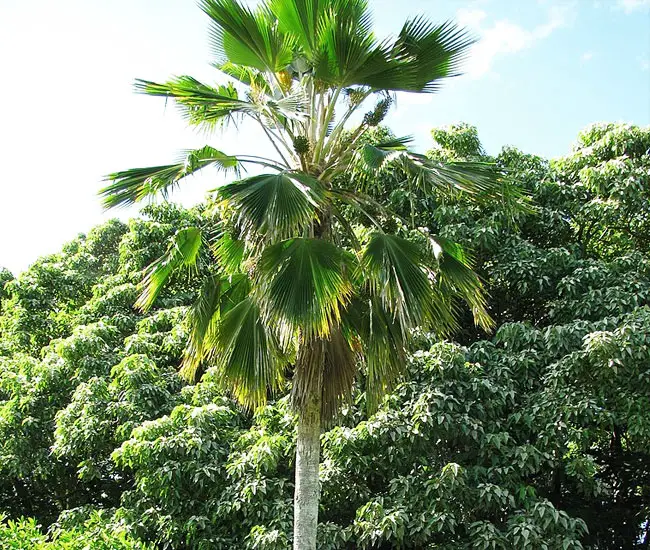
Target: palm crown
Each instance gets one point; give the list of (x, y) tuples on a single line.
[(301, 278)]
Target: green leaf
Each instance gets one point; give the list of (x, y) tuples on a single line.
[(274, 206), (305, 282), (229, 253), (305, 20), (456, 276), (340, 362), (131, 186), (480, 179), (376, 156), (202, 105), (182, 252), (246, 75), (418, 59), (247, 37), (429, 52), (247, 354), (382, 342), (345, 42), (395, 272), (216, 297)]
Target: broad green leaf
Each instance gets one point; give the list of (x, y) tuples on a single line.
[(305, 283), (275, 206), (246, 36)]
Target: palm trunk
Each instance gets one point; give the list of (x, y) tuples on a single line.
[(307, 492)]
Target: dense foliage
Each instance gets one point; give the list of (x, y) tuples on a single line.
[(536, 436)]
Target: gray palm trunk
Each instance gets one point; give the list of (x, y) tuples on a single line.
[(307, 491)]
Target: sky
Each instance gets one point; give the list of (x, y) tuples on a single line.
[(541, 71)]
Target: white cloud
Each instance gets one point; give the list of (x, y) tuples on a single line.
[(629, 6), (587, 56), (507, 37), (470, 17)]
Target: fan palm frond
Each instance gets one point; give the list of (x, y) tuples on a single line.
[(481, 179), (340, 365), (398, 275), (382, 345), (428, 52), (305, 283), (456, 277), (216, 297), (253, 78), (345, 42), (202, 105), (182, 252), (229, 252), (246, 36), (131, 186), (247, 354), (275, 206)]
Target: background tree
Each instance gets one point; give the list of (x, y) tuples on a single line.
[(292, 288)]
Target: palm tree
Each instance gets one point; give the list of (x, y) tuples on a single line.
[(297, 291)]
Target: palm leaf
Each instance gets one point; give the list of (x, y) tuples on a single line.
[(202, 105), (202, 315), (397, 274), (345, 43), (431, 52), (384, 352), (376, 156), (456, 277), (301, 19), (275, 206), (229, 253), (484, 181), (247, 354), (216, 297), (340, 363), (305, 20), (382, 344), (304, 283), (417, 60), (246, 75), (481, 179), (362, 203), (247, 37), (183, 251), (131, 186), (292, 106)]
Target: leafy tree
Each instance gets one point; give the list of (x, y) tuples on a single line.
[(41, 302), (89, 535), (608, 174), (290, 288), (37, 386)]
